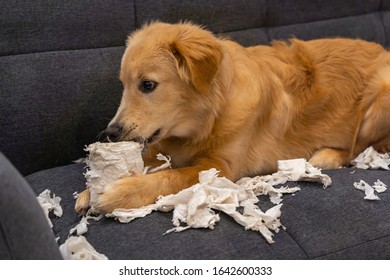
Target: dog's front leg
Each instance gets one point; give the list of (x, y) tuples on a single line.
[(137, 191)]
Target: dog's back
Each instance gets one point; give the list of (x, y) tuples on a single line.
[(327, 99)]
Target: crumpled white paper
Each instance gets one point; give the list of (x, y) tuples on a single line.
[(50, 203), (288, 170), (78, 248), (369, 190), (74, 248), (165, 165), (194, 207), (371, 159), (82, 226)]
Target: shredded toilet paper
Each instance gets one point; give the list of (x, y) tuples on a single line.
[(82, 226), (195, 207), (369, 190), (371, 159), (78, 248), (74, 248), (199, 205), (288, 170), (50, 203)]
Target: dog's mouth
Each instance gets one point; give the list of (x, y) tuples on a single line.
[(153, 137)]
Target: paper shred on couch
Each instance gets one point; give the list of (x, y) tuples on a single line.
[(50, 203), (195, 206)]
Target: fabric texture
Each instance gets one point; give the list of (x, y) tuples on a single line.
[(24, 231), (332, 223), (55, 104)]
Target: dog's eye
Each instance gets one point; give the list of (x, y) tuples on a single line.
[(147, 86)]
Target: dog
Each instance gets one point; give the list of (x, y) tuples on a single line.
[(209, 102)]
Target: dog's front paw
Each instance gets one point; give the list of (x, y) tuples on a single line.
[(127, 193), (82, 202)]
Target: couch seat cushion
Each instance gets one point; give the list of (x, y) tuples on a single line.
[(332, 223)]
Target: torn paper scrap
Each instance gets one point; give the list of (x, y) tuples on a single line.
[(195, 207), (264, 185), (379, 186), (50, 203), (371, 159), (291, 170), (78, 248), (127, 215), (82, 226), (288, 170), (165, 165), (299, 170), (369, 190)]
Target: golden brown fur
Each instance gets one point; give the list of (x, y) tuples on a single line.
[(218, 104)]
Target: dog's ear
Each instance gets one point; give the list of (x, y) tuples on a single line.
[(198, 56)]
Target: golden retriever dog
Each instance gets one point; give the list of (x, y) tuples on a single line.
[(210, 102)]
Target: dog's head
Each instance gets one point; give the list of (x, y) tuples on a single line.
[(168, 73)]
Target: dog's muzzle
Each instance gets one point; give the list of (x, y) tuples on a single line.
[(113, 132)]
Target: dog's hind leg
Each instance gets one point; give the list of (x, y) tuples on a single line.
[(330, 158), (375, 128)]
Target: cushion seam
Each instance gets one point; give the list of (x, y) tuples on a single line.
[(350, 247), (297, 243)]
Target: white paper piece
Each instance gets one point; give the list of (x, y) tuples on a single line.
[(368, 190), (165, 165), (50, 203), (127, 215), (288, 170), (195, 206), (78, 248), (371, 159), (379, 186), (300, 170), (82, 226)]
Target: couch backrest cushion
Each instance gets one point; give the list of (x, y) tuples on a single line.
[(59, 60)]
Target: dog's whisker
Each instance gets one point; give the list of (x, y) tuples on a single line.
[(100, 135)]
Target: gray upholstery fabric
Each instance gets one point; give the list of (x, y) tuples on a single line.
[(332, 223), (143, 238), (371, 30), (24, 231), (286, 12), (218, 16), (56, 103), (45, 25)]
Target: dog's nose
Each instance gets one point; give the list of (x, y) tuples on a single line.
[(113, 131)]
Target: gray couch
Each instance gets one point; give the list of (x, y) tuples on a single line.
[(59, 64)]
